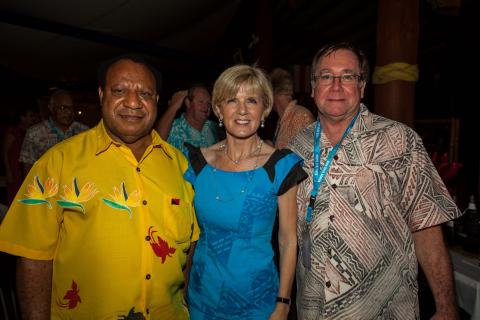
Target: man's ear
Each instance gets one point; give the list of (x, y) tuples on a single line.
[(100, 94), (187, 102), (362, 89)]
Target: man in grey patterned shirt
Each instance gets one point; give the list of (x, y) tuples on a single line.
[(58, 127), (377, 210)]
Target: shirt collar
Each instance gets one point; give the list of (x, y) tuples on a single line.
[(291, 105), (104, 141), (55, 129)]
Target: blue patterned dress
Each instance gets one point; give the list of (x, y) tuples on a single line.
[(233, 274)]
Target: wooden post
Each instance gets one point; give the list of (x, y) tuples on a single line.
[(397, 41)]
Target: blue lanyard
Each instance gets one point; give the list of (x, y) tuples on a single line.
[(60, 134), (319, 174)]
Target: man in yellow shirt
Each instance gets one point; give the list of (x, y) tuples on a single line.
[(104, 221)]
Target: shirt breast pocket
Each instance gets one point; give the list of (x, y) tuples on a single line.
[(178, 218)]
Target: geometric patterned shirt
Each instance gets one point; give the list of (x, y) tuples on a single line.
[(380, 188), (182, 132), (116, 228), (294, 119), (42, 136)]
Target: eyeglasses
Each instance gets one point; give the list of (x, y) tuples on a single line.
[(326, 79)]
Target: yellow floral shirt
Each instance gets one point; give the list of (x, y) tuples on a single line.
[(116, 228)]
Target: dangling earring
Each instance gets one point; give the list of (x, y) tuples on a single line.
[(220, 122), (262, 123)]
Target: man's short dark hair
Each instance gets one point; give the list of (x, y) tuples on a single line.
[(332, 47), (105, 66)]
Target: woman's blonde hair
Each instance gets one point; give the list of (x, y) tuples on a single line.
[(230, 81)]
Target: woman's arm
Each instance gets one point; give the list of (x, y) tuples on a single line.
[(287, 242)]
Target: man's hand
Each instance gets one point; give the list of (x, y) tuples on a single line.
[(280, 312), (164, 124), (177, 100)]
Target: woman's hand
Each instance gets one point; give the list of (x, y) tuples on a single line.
[(280, 312)]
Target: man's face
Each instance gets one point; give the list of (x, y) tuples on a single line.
[(62, 110), (200, 106), (337, 100), (129, 101)]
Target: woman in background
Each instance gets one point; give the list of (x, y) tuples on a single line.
[(239, 184)]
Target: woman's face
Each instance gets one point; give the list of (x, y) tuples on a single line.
[(243, 113)]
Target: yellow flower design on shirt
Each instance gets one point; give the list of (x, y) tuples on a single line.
[(122, 200), (74, 197), (37, 193)]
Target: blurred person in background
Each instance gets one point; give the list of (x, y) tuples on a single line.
[(193, 125), (12, 143), (291, 117), (59, 126)]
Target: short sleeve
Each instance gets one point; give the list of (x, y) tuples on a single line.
[(429, 193), (30, 228), (294, 177), (284, 168), (196, 162)]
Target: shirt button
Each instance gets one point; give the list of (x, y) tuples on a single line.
[(138, 169), (331, 217), (147, 311), (144, 202), (147, 238), (334, 186), (335, 157), (328, 284), (148, 276)]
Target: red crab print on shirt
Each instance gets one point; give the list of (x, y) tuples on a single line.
[(71, 296), (160, 247)]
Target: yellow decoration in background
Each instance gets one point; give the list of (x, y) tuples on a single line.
[(395, 71)]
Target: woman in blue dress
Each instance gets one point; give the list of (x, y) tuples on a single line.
[(239, 185)]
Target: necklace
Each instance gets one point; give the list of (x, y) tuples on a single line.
[(224, 147), (250, 174)]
